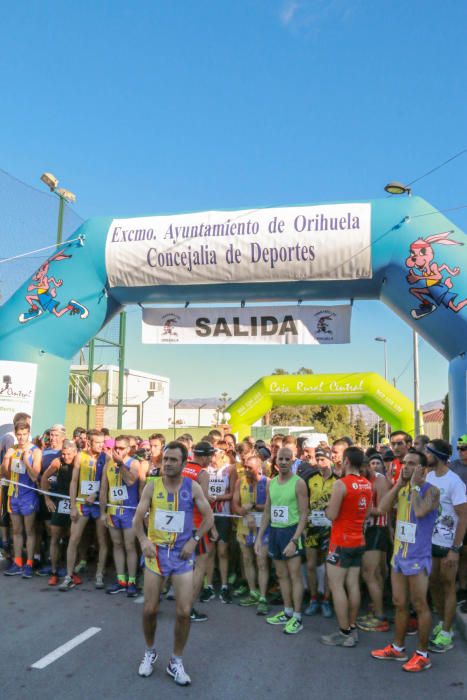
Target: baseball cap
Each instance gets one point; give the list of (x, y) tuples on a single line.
[(462, 440), (203, 449), (323, 452)]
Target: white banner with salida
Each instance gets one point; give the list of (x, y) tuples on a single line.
[(282, 325), (328, 242)]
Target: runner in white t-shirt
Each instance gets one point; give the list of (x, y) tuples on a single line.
[(448, 535)]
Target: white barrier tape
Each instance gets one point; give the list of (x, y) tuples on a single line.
[(52, 494)]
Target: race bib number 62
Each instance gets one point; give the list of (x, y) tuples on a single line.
[(280, 515)]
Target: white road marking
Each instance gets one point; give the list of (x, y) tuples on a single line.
[(65, 648)]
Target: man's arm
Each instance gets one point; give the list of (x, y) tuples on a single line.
[(421, 506), (35, 469), (6, 464), (207, 523), (301, 492), (50, 471), (74, 489), (266, 517), (104, 492), (387, 502), (461, 511), (337, 496), (130, 475), (147, 547)]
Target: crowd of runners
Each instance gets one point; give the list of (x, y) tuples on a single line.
[(311, 529)]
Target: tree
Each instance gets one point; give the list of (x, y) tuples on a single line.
[(279, 370), (304, 370), (223, 402), (360, 431)]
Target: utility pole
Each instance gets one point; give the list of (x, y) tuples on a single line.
[(416, 385)]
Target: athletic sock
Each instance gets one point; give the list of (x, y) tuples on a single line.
[(131, 579), (298, 616), (151, 650), (176, 659), (394, 646), (29, 562), (224, 587), (288, 612), (422, 653), (346, 632), (19, 561), (121, 578)]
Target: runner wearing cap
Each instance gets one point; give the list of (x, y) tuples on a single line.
[(286, 510), (348, 508), (196, 469), (320, 483), (448, 536), (417, 504)]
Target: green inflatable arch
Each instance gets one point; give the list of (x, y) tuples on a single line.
[(318, 389)]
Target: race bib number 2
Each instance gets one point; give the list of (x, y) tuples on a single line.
[(405, 532), (172, 521), (279, 515), (89, 488)]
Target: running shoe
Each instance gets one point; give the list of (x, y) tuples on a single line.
[(338, 639), (207, 594), (435, 631), (53, 580), (131, 591), (326, 609), (80, 568), (100, 581), (67, 584), (417, 663), (44, 571), (293, 626), (279, 619), (241, 590), (262, 608), (225, 596), (313, 608), (76, 580), (375, 624), (116, 588), (251, 599), (13, 570), (146, 666), (196, 616), (178, 673), (389, 653), (442, 642), (27, 571), (354, 633), (412, 627)]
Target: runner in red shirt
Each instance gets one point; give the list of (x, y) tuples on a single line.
[(401, 443), (348, 507), (196, 469)]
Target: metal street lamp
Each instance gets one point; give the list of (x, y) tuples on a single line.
[(397, 188), (64, 196)]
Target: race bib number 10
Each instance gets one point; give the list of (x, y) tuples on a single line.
[(89, 488), (119, 493), (172, 521), (279, 515)]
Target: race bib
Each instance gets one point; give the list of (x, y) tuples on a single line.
[(118, 493), (319, 519), (64, 506), (257, 518), (18, 466), (172, 521), (405, 532), (279, 515), (216, 487), (89, 488)]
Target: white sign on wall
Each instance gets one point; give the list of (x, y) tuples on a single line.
[(283, 325), (328, 242), (17, 389)]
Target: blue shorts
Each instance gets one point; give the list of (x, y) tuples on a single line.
[(25, 504), (279, 538), (411, 567), (121, 521), (89, 510), (168, 562)]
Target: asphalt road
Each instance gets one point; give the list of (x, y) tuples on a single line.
[(233, 655)]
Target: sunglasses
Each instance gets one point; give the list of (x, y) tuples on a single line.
[(462, 448)]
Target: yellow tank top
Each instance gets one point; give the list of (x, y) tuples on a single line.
[(19, 473), (247, 495), (171, 514), (87, 481)]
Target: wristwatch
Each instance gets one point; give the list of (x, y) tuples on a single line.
[(196, 538), (456, 548), (295, 541), (415, 488)]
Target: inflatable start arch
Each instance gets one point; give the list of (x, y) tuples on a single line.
[(318, 389), (399, 250)]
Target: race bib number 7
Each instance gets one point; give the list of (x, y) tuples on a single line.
[(405, 532), (89, 488), (172, 521), (279, 515)]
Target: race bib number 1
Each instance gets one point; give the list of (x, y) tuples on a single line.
[(279, 515), (119, 493), (172, 521), (64, 507), (405, 532), (89, 488)]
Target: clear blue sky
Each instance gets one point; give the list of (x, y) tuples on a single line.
[(152, 107)]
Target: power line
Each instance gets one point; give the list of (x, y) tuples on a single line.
[(438, 167)]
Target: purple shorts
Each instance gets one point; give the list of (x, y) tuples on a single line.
[(411, 567), (168, 562), (26, 504), (122, 521), (89, 510)]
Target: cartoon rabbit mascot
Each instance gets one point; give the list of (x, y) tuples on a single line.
[(42, 294), (425, 275)]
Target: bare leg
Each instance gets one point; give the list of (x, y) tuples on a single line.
[(223, 558), (56, 533), (336, 578), (249, 566), (448, 583), (102, 540), (294, 567), (436, 586), (131, 553), (284, 582), (371, 572), (29, 521), (311, 563), (201, 563), (116, 535), (77, 529), (418, 586), (263, 571), (17, 524), (183, 587), (400, 592), (152, 590), (352, 584)]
